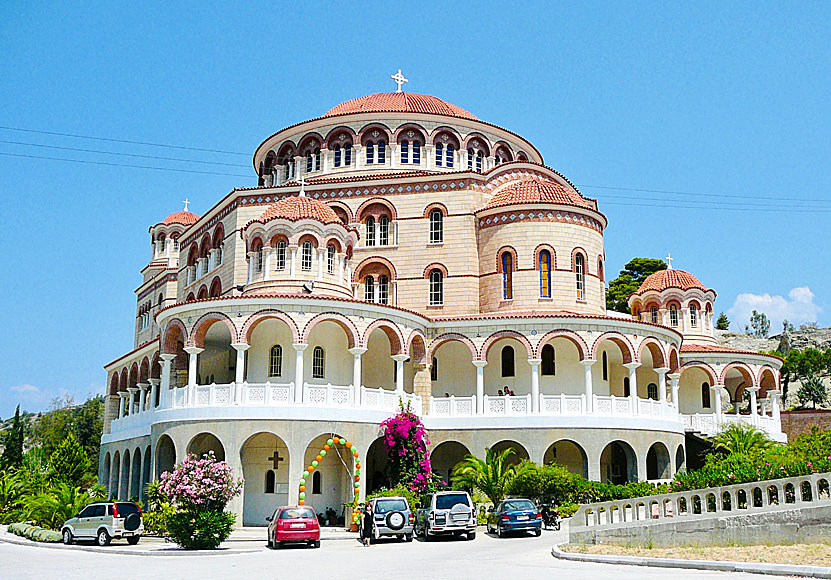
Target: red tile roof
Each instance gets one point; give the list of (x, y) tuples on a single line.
[(399, 103), (296, 208), (533, 190), (181, 217), (663, 279), (714, 348)]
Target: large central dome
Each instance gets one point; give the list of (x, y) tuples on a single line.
[(399, 103)]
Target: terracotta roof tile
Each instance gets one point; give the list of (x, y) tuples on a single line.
[(181, 217), (296, 208), (533, 190), (663, 279), (714, 348), (399, 103)]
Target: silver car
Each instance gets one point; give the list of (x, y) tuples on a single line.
[(391, 517), (104, 522), (446, 513)]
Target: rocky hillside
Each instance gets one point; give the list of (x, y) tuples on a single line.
[(800, 339)]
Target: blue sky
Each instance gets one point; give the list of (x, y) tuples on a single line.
[(718, 98)]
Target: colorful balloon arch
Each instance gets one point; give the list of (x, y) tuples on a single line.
[(333, 442)]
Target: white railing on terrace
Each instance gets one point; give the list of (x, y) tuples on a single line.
[(508, 405), (562, 404), (709, 424), (744, 498), (452, 406)]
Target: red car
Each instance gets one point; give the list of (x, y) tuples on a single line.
[(293, 524)]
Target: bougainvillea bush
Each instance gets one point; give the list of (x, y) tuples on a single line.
[(200, 488), (405, 440)]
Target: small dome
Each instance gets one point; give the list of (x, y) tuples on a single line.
[(664, 279), (399, 103), (532, 190), (185, 218), (296, 208)]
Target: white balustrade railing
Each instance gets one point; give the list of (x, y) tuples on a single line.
[(387, 400), (329, 395), (709, 424), (452, 406), (507, 405), (562, 404)]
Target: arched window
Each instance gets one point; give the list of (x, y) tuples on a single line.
[(370, 231), (259, 264), (275, 361), (626, 390), (347, 154), (652, 391), (479, 158), (384, 231), (439, 154), (370, 153), (508, 361), (436, 227), (549, 367), (281, 255), (434, 370), (318, 363), (693, 315), (416, 153), (337, 156), (405, 152), (470, 155), (673, 315), (330, 259), (605, 366), (436, 288), (507, 276), (545, 274), (654, 313), (448, 156), (580, 276), (383, 290), (382, 152), (269, 481), (705, 395), (317, 159), (306, 256), (309, 162), (317, 484), (369, 289)]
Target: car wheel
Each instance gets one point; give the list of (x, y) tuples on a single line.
[(133, 540), (408, 537), (471, 535), (538, 532), (67, 537), (500, 532), (316, 544), (103, 538), (269, 543)]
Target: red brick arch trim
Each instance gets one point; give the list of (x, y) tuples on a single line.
[(389, 328), (421, 133), (258, 317), (743, 368), (702, 366), (769, 371), (369, 261), (656, 349), (623, 343), (373, 200), (511, 250), (114, 384), (499, 335), (365, 134), (200, 329), (484, 143), (417, 346), (340, 205), (576, 340), (574, 252), (169, 339), (134, 377), (673, 359), (122, 385), (453, 133), (434, 266), (550, 250), (435, 205), (352, 332), (144, 370), (448, 337), (333, 137), (313, 139)]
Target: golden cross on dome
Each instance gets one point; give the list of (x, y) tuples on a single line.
[(669, 259), (399, 80), (186, 202)]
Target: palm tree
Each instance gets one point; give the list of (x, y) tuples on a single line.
[(53, 507), (741, 438), (492, 475)]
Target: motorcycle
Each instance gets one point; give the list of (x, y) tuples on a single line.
[(550, 518)]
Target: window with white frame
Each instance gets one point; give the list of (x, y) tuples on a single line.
[(318, 363), (383, 289), (369, 289), (337, 155), (693, 315), (652, 391), (370, 231), (416, 153), (306, 256), (258, 265), (436, 227), (376, 152), (673, 315), (654, 314), (281, 255), (580, 276), (275, 361), (405, 152), (448, 156), (436, 288), (384, 231), (330, 259), (439, 154)]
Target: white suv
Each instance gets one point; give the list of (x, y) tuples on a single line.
[(104, 522), (446, 513)]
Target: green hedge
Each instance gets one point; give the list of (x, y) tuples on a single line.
[(35, 533)]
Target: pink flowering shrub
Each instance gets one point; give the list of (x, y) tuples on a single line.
[(203, 484), (405, 440)]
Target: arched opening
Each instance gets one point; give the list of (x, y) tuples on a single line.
[(330, 338), (217, 358), (561, 371), (692, 390), (517, 456), (455, 374), (657, 462), (206, 442), (570, 455), (507, 370), (165, 455), (265, 468), (135, 476), (264, 335), (112, 483), (608, 378), (378, 368), (336, 480), (736, 379), (105, 472), (444, 458), (376, 474), (124, 480), (145, 474), (680, 459), (618, 463)]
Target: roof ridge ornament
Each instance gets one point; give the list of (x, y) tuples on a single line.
[(399, 80), (302, 181), (669, 259), (186, 201)]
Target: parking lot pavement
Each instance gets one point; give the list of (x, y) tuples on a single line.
[(525, 557)]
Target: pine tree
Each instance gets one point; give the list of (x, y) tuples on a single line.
[(629, 280), (69, 462), (722, 322), (13, 444)]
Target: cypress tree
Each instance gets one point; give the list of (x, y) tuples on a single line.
[(13, 444), (69, 462)]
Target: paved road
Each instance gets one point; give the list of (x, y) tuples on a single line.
[(513, 558)]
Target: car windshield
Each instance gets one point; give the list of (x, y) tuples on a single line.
[(445, 502), (297, 514), (125, 509), (390, 505), (519, 504)]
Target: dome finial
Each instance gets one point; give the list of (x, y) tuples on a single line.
[(669, 261), (302, 181), (399, 80), (186, 202)]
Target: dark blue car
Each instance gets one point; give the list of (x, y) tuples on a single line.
[(515, 515)]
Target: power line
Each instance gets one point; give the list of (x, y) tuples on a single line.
[(75, 136), (710, 203), (670, 192), (716, 207), (120, 164), (124, 154)]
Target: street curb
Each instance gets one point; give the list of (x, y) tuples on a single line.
[(9, 539), (713, 565)]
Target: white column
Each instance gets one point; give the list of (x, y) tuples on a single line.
[(356, 353), (394, 287), (587, 363), (662, 384), (122, 403), (193, 358), (341, 267), (154, 392), (132, 402), (142, 402), (480, 385), (774, 406), (376, 293), (673, 385), (239, 374), (293, 261), (250, 267), (357, 156), (167, 363), (298, 372), (267, 267), (716, 389), (535, 384), (321, 260), (399, 372), (633, 385), (754, 414)]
